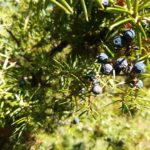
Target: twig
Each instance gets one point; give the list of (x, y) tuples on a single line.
[(13, 37)]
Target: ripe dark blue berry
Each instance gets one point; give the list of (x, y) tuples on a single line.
[(76, 120), (118, 41), (97, 89), (139, 67), (95, 81), (138, 85), (106, 69), (144, 23), (128, 35), (105, 2), (102, 57), (21, 83), (121, 63)]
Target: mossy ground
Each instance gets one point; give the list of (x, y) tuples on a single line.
[(109, 129)]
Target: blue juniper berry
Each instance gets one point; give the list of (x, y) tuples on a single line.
[(118, 41), (128, 35), (121, 63), (139, 67), (138, 84), (105, 2), (76, 120), (102, 58), (97, 89), (106, 69)]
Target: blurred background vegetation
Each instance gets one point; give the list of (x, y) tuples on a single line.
[(48, 52)]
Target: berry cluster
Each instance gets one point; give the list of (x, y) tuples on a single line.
[(131, 69), (124, 38), (128, 68)]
